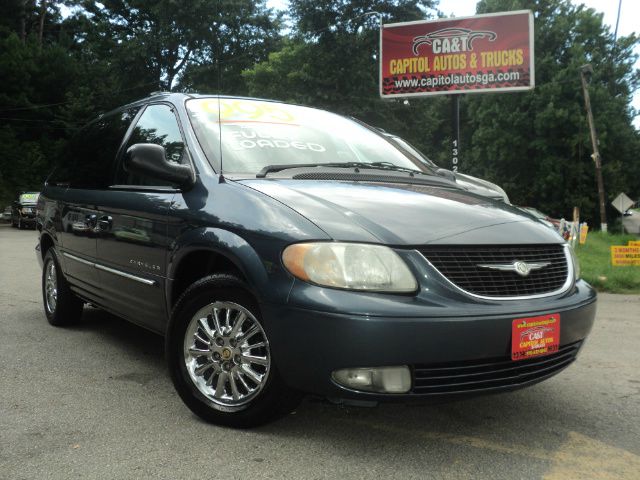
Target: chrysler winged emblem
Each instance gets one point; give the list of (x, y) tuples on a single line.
[(521, 268)]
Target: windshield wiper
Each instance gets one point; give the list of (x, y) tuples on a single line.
[(374, 165), (392, 166)]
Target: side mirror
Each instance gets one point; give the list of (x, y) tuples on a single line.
[(150, 159)]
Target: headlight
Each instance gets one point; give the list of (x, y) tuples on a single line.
[(575, 261), (352, 266)]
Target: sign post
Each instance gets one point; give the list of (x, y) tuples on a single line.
[(455, 143)]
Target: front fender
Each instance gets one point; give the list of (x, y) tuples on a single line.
[(263, 272)]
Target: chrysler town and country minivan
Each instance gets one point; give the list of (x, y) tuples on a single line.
[(284, 250)]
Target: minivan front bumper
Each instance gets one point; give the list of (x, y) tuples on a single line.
[(447, 355)]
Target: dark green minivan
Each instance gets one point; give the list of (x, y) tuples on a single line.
[(284, 250)]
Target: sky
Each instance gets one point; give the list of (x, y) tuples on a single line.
[(629, 15)]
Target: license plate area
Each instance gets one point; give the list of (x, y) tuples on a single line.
[(535, 336)]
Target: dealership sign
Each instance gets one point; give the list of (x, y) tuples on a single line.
[(485, 53)]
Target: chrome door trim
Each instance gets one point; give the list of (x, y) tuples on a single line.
[(78, 259), (104, 268), (146, 281)]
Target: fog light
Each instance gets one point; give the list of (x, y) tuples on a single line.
[(382, 379)]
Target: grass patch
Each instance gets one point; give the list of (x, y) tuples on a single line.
[(595, 264)]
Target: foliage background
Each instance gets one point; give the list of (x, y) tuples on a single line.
[(59, 71)]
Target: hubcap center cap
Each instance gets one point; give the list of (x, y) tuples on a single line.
[(226, 354)]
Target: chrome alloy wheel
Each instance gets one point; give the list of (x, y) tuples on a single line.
[(51, 287), (226, 353)]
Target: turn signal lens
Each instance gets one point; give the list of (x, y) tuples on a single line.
[(353, 266)]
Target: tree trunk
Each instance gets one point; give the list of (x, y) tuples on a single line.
[(173, 71), (43, 12), (23, 21)]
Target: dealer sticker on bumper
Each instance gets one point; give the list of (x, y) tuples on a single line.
[(535, 336)]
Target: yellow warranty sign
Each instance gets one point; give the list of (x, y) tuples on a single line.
[(584, 229), (623, 256)]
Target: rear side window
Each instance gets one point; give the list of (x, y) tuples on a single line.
[(157, 124), (88, 162)]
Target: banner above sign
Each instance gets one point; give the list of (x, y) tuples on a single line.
[(485, 53)]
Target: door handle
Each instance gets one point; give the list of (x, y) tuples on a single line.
[(105, 222), (85, 225)]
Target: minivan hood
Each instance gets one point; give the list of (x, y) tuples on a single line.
[(404, 214)]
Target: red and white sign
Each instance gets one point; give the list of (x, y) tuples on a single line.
[(485, 53), (535, 336)]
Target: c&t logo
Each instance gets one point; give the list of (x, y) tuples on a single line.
[(451, 40), (535, 333)]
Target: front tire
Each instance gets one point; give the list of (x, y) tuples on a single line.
[(61, 306), (219, 356)]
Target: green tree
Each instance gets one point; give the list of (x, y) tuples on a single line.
[(34, 83), (57, 73), (172, 41), (330, 60), (536, 144), (245, 32)]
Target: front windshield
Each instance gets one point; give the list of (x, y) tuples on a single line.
[(256, 134), (414, 151)]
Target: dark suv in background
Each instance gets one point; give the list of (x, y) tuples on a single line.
[(284, 250), (23, 210)]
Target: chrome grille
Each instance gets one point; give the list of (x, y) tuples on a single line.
[(460, 265), (490, 374)]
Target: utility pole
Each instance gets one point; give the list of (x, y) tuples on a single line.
[(615, 35), (455, 126), (587, 70)]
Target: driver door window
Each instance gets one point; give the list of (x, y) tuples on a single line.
[(158, 124)]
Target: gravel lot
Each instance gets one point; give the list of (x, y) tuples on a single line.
[(95, 401)]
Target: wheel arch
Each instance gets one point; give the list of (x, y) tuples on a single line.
[(46, 242), (207, 251)]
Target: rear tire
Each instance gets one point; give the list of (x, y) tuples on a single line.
[(219, 356), (61, 306)]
